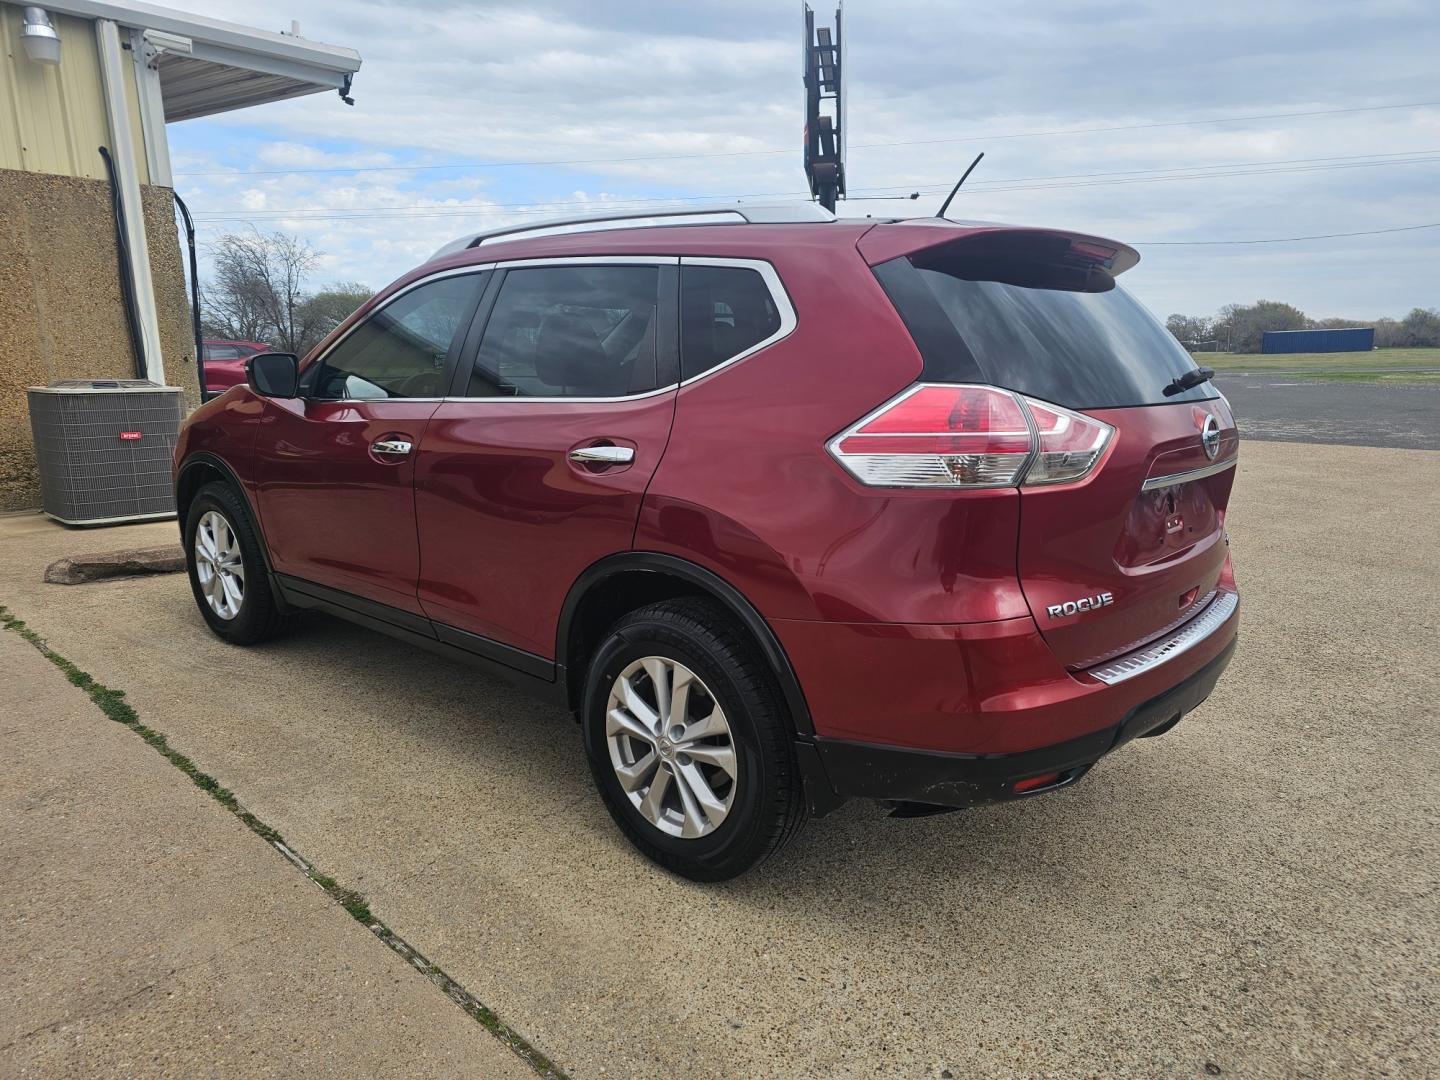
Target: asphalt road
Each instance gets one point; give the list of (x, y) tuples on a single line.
[(1251, 895), (1269, 406)]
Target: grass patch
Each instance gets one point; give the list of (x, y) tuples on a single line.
[(112, 703), (1376, 358)]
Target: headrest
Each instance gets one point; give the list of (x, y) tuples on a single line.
[(568, 353)]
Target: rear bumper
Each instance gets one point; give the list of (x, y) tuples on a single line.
[(871, 770)]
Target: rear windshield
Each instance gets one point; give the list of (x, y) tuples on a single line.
[(1080, 349)]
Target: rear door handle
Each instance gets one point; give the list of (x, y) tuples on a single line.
[(603, 455), (392, 446)]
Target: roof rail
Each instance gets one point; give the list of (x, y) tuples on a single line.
[(739, 214)]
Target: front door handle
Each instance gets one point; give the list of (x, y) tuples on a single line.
[(603, 455), (392, 446)]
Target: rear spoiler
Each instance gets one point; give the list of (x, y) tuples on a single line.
[(890, 240)]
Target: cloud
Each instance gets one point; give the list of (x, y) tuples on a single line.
[(577, 80)]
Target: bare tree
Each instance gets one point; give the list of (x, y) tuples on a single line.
[(257, 291)]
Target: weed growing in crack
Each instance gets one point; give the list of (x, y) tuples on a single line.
[(113, 704)]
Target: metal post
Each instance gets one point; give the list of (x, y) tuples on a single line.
[(152, 109), (117, 108)]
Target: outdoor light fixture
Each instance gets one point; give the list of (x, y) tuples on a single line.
[(42, 43)]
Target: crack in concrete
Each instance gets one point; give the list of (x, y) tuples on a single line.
[(111, 703), (88, 1014)]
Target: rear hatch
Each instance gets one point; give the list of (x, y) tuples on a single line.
[(1136, 546)]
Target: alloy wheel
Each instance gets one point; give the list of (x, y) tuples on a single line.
[(671, 747), (219, 567)]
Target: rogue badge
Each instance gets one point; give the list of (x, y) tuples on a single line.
[(1085, 603)]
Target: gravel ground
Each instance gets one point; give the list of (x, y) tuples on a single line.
[(1254, 894), (1274, 407)]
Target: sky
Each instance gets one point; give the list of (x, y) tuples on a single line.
[(1165, 125)]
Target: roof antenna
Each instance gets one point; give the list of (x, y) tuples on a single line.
[(946, 204)]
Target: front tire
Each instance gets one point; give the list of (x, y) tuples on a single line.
[(689, 741), (227, 567)]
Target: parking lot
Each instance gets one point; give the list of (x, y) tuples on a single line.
[(1285, 406), (1252, 894)]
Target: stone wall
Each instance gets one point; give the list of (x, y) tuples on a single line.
[(61, 311)]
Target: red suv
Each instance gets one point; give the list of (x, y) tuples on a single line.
[(786, 509)]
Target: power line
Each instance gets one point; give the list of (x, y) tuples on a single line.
[(1280, 239), (890, 188), (1033, 183), (791, 149)]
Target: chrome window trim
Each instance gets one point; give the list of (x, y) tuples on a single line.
[(557, 400), (788, 319), (1172, 479), (1186, 638)]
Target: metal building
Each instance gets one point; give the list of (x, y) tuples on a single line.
[(1350, 339), (76, 76)]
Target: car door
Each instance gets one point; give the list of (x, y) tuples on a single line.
[(537, 465), (336, 466)]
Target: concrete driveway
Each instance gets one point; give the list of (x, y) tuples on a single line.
[(1253, 894)]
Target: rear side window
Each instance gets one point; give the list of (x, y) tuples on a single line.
[(572, 331), (399, 351), (1080, 349), (222, 352), (724, 310)]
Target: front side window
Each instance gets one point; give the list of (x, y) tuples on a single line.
[(571, 331), (399, 351), (724, 310)]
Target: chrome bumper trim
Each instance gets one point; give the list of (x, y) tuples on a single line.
[(1186, 638), (1171, 479)]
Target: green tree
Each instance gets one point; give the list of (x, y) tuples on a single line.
[(322, 311), (1242, 327)]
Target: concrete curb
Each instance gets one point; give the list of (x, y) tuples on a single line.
[(78, 569)]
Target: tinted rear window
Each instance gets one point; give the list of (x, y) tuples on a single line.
[(1084, 350)]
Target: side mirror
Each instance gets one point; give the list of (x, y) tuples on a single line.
[(274, 374)]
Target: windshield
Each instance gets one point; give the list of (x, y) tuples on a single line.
[(1083, 350)]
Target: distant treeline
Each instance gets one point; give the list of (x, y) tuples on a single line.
[(1241, 327)]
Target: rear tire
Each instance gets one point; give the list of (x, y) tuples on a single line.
[(703, 782), (227, 569)]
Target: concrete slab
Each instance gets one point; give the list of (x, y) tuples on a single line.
[(1253, 892), (149, 933)]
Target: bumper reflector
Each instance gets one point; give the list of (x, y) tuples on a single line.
[(1034, 783)]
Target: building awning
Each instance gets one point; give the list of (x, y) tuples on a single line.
[(209, 66)]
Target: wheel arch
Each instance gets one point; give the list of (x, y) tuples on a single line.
[(621, 583), (201, 468)]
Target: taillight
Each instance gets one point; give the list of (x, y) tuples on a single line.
[(946, 436), (969, 437), (1070, 443)]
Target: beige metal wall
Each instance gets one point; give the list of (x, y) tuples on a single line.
[(52, 116)]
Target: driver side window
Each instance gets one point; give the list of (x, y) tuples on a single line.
[(400, 350)]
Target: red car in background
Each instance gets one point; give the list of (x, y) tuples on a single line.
[(225, 362)]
